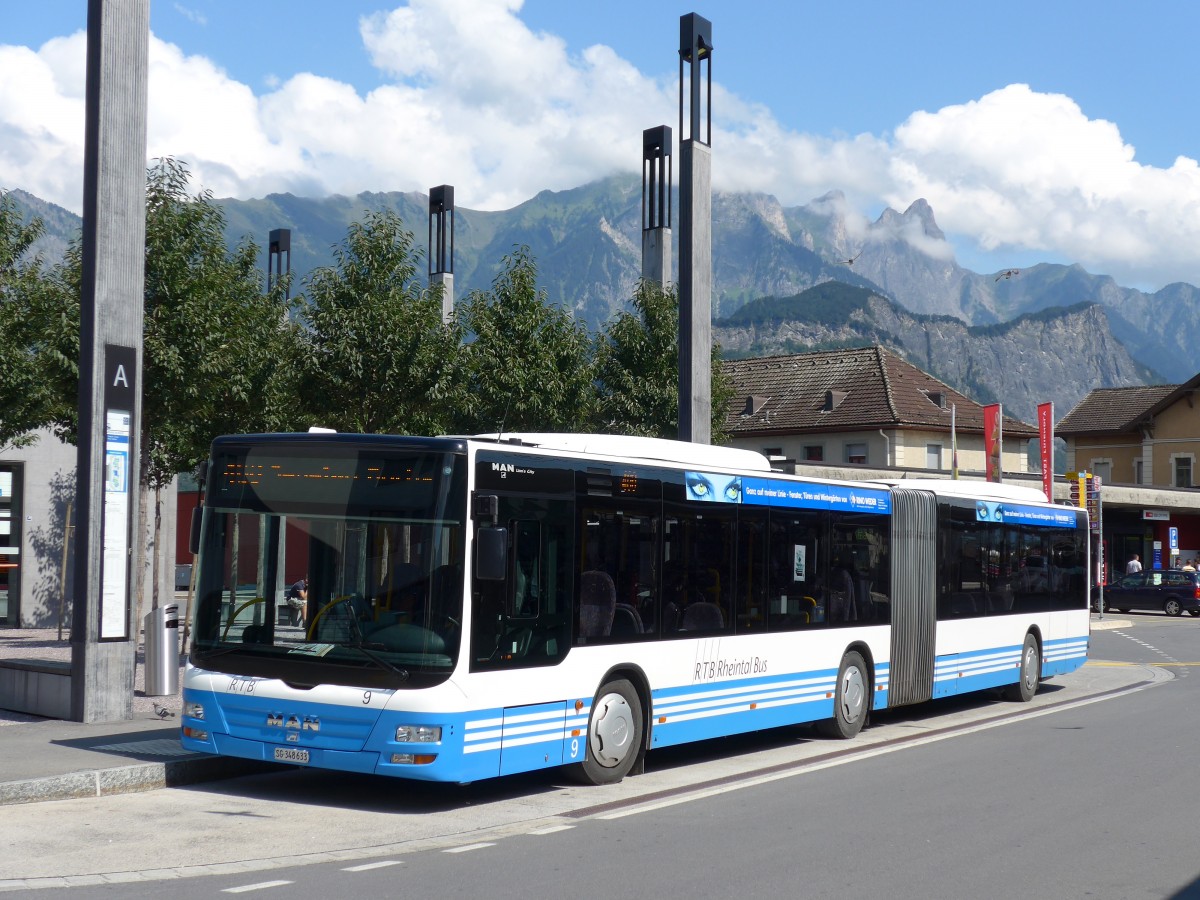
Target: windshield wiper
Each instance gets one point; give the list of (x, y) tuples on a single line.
[(378, 660)]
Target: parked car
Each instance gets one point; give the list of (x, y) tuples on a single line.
[(1171, 591)]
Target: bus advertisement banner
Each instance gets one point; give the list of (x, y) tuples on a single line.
[(989, 511), (772, 492)]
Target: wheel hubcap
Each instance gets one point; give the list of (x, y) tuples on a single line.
[(1030, 667), (854, 691), (612, 730)]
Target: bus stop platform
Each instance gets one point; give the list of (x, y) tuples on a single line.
[(52, 759)]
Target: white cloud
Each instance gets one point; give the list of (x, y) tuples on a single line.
[(1029, 171), (192, 15), (477, 99)]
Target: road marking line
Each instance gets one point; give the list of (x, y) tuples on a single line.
[(366, 867), (262, 885), (552, 829), (469, 847)]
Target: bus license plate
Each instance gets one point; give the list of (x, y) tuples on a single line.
[(291, 754)]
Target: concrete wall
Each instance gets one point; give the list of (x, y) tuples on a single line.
[(39, 688), (48, 485)]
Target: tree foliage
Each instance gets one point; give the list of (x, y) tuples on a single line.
[(213, 339), (637, 370), (39, 336), (375, 355), (529, 367), (365, 350)]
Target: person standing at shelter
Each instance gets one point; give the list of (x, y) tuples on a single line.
[(1134, 565)]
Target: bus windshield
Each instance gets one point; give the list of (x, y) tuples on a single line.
[(332, 564)]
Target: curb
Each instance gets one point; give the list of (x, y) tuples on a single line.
[(128, 779), (1109, 624)]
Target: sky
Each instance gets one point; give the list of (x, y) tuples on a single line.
[(1059, 131)]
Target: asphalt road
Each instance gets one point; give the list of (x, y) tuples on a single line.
[(1086, 792)]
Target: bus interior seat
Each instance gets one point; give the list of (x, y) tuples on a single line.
[(703, 616), (670, 616), (597, 604), (626, 621), (403, 589), (962, 603)]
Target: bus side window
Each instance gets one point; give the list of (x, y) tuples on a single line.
[(797, 565)]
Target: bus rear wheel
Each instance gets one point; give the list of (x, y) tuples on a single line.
[(1031, 673), (851, 699), (614, 735)]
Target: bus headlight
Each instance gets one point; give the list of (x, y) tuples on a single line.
[(194, 710), (418, 734)]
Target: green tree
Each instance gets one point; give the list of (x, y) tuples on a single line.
[(213, 340), (529, 365), (376, 356), (637, 370), (39, 336)]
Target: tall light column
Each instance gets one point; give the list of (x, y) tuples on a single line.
[(656, 205), (279, 258), (441, 244), (695, 234)]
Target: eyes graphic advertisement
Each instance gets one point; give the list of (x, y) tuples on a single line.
[(716, 488)]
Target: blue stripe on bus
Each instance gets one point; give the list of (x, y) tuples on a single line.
[(699, 711), (976, 670), (485, 743), (1064, 655)]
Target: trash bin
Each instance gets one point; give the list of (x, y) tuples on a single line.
[(162, 650)]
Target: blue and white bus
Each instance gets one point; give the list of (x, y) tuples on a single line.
[(489, 605)]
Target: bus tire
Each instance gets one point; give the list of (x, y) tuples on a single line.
[(614, 735), (851, 699), (1031, 673)]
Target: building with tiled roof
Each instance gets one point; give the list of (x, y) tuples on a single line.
[(1137, 435), (864, 406), (1107, 411), (1144, 443)]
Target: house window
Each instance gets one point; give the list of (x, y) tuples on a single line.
[(1103, 469), (933, 456), (772, 451), (1137, 472), (814, 453), (856, 454), (1183, 471)]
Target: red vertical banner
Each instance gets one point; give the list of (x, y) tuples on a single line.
[(993, 441), (1046, 446)]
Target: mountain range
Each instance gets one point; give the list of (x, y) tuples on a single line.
[(995, 336)]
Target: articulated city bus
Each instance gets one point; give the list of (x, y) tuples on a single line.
[(503, 603)]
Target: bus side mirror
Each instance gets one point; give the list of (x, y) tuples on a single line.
[(194, 535), (491, 553)]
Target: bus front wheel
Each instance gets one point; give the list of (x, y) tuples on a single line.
[(1031, 673), (851, 698), (614, 736)]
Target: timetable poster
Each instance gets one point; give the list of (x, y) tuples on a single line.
[(115, 581)]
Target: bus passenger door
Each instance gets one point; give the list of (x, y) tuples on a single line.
[(532, 737)]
